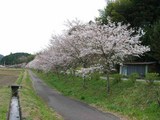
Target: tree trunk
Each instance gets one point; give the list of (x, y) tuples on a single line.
[(73, 74), (108, 84), (84, 77), (57, 73), (84, 82)]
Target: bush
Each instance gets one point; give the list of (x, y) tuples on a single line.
[(150, 77), (133, 77), (117, 78)]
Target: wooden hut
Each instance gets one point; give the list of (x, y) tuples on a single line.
[(139, 67)]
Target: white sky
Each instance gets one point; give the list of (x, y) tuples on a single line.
[(27, 25)]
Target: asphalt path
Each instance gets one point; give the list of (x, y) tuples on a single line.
[(68, 108)]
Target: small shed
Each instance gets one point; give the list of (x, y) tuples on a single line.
[(138, 67)]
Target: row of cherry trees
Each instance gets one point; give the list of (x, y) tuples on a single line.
[(89, 45)]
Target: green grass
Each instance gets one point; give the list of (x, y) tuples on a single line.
[(33, 108), (20, 77), (134, 100), (4, 102)]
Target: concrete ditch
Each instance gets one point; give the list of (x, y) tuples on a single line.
[(14, 107)]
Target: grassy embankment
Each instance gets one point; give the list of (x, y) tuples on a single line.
[(33, 108), (136, 101)]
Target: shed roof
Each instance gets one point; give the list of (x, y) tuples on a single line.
[(139, 63)]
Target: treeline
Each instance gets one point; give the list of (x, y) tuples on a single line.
[(144, 14), (16, 58), (1, 56)]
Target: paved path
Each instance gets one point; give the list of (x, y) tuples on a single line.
[(69, 109)]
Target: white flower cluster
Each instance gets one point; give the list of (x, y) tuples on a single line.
[(87, 71)]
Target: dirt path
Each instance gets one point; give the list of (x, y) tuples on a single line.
[(69, 109)]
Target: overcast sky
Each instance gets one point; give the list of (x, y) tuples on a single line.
[(27, 25)]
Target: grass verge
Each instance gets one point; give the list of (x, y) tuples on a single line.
[(33, 108), (4, 102), (135, 100)]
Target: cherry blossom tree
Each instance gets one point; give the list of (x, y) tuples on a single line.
[(111, 44), (41, 62), (71, 45), (59, 53)]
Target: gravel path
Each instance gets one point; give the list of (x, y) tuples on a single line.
[(68, 108)]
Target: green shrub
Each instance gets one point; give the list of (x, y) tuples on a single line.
[(117, 78), (133, 77), (150, 77), (82, 98)]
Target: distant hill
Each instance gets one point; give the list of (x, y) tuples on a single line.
[(16, 58), (1, 56)]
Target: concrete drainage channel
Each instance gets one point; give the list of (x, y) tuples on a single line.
[(14, 108)]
